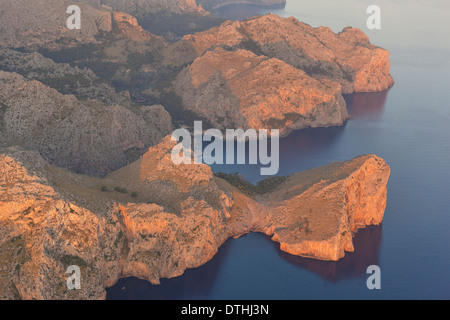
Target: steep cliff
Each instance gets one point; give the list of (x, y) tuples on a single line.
[(238, 89), (151, 220), (271, 72), (347, 57), (315, 213)]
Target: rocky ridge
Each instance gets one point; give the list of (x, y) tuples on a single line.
[(238, 89), (47, 26), (87, 137), (51, 218), (347, 57), (277, 73), (47, 23), (83, 83)]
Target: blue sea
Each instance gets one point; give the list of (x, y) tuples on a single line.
[(408, 126)]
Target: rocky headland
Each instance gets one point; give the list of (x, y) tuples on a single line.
[(154, 220), (86, 176), (278, 73), (238, 89), (347, 57)]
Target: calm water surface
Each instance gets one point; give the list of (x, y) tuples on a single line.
[(408, 126)]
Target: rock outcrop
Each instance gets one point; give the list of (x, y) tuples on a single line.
[(238, 89), (141, 8), (151, 221), (87, 137), (83, 83), (31, 23), (271, 72), (46, 26), (315, 213), (347, 57)]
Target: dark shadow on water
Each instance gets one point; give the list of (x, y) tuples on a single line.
[(309, 140), (199, 282), (299, 151), (366, 242), (195, 282), (366, 105)]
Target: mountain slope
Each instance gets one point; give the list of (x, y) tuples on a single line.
[(83, 136), (165, 221)]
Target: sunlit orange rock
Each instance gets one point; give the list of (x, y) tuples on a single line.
[(143, 221)]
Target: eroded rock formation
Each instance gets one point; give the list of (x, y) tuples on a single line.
[(35, 24), (142, 8), (271, 72), (83, 136), (153, 221), (347, 57), (238, 89)]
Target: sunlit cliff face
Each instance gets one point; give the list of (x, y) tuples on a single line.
[(51, 218)]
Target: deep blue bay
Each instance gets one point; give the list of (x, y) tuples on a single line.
[(408, 126)]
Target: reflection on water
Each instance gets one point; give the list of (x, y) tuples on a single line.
[(367, 243), (299, 151), (201, 283), (411, 134), (366, 104), (197, 282)]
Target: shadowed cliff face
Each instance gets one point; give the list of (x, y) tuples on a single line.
[(366, 244), (87, 137), (263, 73), (151, 220)]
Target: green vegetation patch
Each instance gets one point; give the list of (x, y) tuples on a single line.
[(3, 108), (136, 59), (275, 123), (69, 260), (14, 252), (251, 45), (262, 187)]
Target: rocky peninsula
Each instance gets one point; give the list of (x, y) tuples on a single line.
[(278, 73), (86, 175), (153, 219)]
